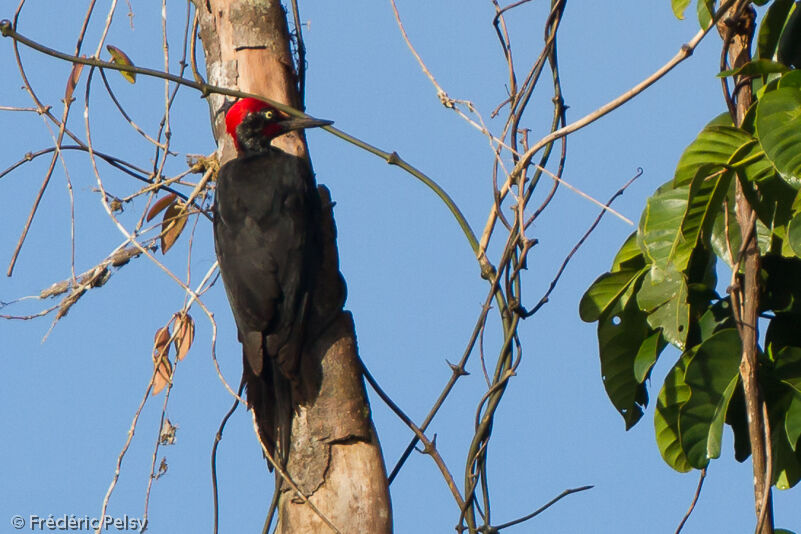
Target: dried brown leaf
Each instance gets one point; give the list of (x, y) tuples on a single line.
[(162, 377), (161, 354), (172, 225), (159, 206), (161, 344), (72, 81), (184, 334)]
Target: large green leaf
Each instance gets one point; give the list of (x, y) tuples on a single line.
[(659, 232), (715, 145), (673, 395), (605, 291), (621, 332), (771, 28), (757, 67), (712, 374), (751, 163), (707, 191), (663, 295), (791, 79), (789, 51), (778, 125)]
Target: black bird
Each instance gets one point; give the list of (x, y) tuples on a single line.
[(266, 218)]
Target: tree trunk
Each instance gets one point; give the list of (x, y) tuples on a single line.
[(334, 458), (739, 31)]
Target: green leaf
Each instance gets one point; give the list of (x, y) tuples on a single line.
[(712, 374), (794, 234), (757, 67), (715, 145), (725, 238), (663, 295), (751, 163), (678, 7), (629, 256), (121, 58), (778, 126), (659, 232), (786, 464), (789, 51), (647, 355), (771, 28), (783, 332), (673, 395), (707, 191), (706, 10), (781, 284), (788, 366), (605, 292), (792, 421), (621, 332), (736, 418), (715, 318), (791, 79)]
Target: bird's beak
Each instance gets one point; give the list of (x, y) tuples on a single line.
[(294, 123)]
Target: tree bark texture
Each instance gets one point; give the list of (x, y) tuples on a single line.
[(334, 458), (746, 293)]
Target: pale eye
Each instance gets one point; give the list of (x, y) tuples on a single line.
[(268, 114)]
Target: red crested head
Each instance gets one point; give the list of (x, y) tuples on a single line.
[(240, 110), (253, 124)]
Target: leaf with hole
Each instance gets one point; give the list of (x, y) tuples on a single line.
[(663, 296), (621, 332)]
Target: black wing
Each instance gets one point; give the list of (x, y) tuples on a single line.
[(263, 232)]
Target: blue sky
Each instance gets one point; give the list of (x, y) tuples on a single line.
[(413, 283)]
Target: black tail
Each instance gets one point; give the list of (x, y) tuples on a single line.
[(269, 396)]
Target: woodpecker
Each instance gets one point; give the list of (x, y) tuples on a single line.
[(266, 217)]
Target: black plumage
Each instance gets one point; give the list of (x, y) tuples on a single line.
[(266, 216)]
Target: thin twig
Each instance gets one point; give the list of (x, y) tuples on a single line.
[(578, 245), (430, 447), (695, 500), (217, 438), (543, 507)]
